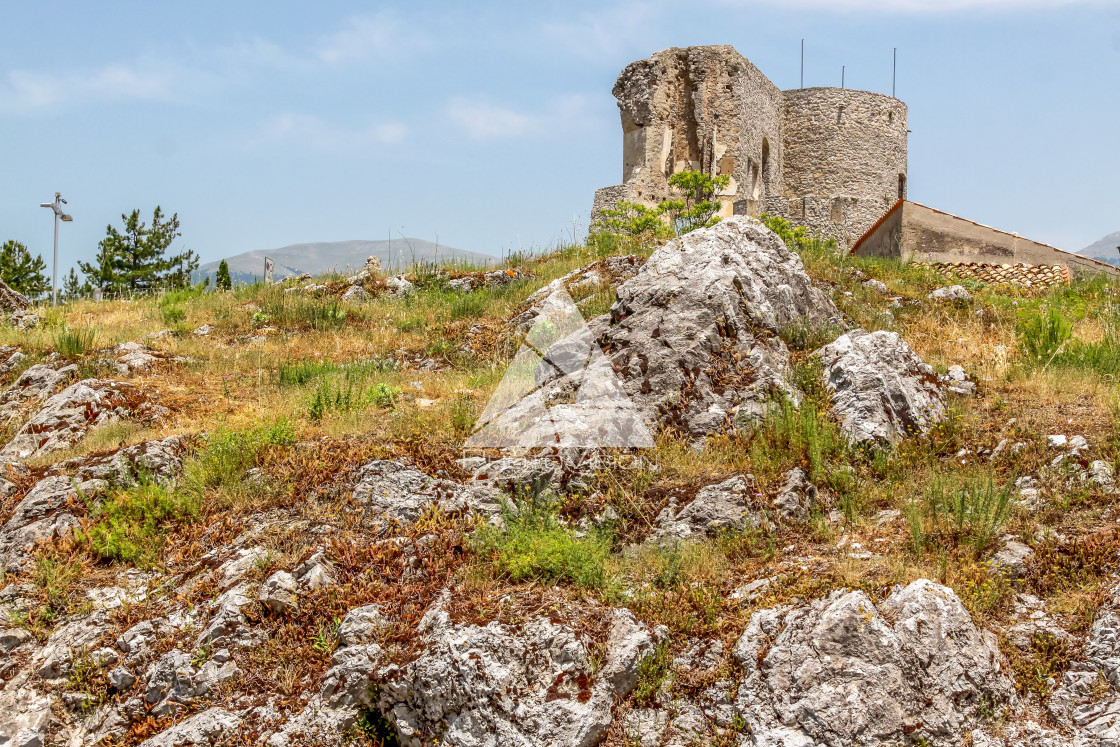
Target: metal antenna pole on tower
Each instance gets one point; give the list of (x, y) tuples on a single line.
[(894, 73), (842, 76), (802, 63)]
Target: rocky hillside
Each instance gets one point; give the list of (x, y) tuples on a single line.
[(872, 509)]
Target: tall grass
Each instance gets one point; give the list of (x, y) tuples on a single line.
[(75, 343), (956, 510)]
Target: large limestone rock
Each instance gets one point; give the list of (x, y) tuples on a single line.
[(392, 492), (693, 337), (881, 389), (201, 730), (716, 508), (33, 385), (842, 671), (12, 300), (1088, 696), (492, 686), (65, 418), (24, 715)]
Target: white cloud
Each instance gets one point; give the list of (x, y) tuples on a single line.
[(484, 120), (607, 31), (318, 134), (370, 37), (912, 6), (190, 73)]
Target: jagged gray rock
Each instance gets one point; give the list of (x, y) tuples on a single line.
[(361, 625), (394, 492), (797, 497), (200, 730), (694, 336), (278, 593), (842, 672), (42, 514), (175, 682), (716, 508), (1088, 697), (881, 389), (492, 685), (951, 293), (24, 715), (33, 385), (65, 418)]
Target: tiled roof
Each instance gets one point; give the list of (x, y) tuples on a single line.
[(1021, 275)]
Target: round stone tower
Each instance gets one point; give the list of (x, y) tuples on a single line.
[(844, 159)]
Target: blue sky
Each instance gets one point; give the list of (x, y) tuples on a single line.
[(489, 125)]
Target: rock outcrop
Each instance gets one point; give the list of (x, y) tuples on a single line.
[(65, 418), (694, 336), (492, 686), (882, 391)]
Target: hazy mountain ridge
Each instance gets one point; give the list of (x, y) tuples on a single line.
[(320, 257), (1105, 248)]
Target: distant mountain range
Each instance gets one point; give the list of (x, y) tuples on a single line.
[(340, 256), (1105, 249)]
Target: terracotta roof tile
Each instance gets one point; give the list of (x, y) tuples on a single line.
[(1021, 275)]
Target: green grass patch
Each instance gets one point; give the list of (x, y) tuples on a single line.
[(129, 525), (534, 546)]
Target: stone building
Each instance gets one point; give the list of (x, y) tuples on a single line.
[(913, 232), (830, 159)]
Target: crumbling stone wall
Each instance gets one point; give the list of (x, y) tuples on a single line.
[(845, 159), (830, 159), (699, 108)]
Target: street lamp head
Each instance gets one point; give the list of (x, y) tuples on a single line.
[(66, 218)]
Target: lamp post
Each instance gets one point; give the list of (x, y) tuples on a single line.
[(56, 206)]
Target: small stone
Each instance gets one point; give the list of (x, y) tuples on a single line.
[(278, 593), (952, 293), (1056, 441), (13, 638), (202, 331), (1012, 560), (121, 679)]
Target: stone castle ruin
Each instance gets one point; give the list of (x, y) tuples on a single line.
[(830, 159)]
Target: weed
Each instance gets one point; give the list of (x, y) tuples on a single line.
[(533, 545), (325, 639), (1043, 335), (652, 672), (74, 343), (130, 524)]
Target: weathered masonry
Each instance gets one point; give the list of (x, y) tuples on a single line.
[(830, 159), (913, 232)]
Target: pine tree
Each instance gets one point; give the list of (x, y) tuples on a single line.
[(71, 288), (222, 280), (134, 260), (22, 272)]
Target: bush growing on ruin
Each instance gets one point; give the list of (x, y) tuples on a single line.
[(697, 207), (632, 219)]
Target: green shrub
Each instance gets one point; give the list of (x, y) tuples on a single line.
[(533, 545), (790, 436), (652, 673), (346, 397), (129, 525), (1042, 335), (959, 511), (172, 314), (227, 454), (74, 343)]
